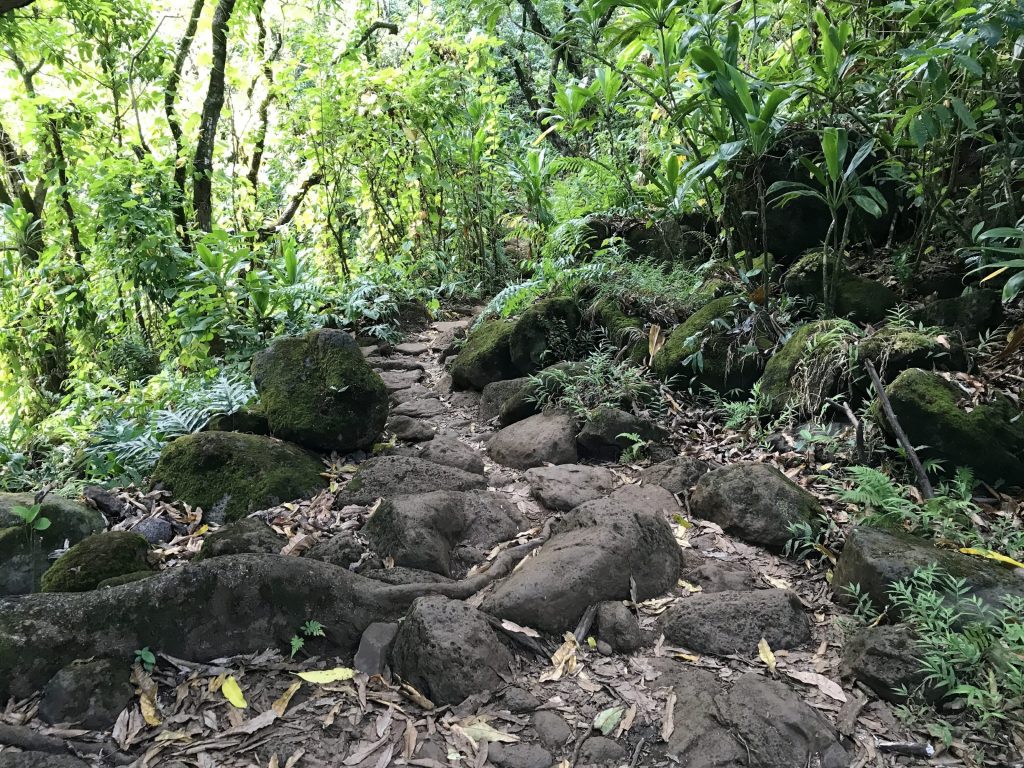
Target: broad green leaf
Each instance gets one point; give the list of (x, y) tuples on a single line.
[(607, 720)]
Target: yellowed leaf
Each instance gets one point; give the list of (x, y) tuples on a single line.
[(478, 729), (147, 689), (989, 554), (233, 692), (563, 660), (281, 705), (690, 587), (324, 676), (765, 652)]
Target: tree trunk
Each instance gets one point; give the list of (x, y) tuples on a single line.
[(202, 168)]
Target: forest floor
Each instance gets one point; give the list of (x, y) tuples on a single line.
[(182, 716)]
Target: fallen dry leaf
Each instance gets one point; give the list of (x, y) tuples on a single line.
[(829, 687), (765, 652)]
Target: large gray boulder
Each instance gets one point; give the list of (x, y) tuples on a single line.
[(565, 486), (318, 391), (600, 551), (874, 559), (387, 476), (547, 438), (448, 651), (444, 532), (755, 502)]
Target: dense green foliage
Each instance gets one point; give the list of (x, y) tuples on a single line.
[(182, 181)]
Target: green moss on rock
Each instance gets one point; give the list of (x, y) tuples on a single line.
[(544, 333), (318, 391), (485, 357), (989, 439), (858, 298), (95, 559), (776, 385), (622, 330), (230, 474), (893, 350)]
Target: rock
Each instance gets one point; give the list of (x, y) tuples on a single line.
[(970, 314), (733, 622), (485, 357), (341, 549), (600, 437), (518, 700), (414, 392), (552, 730), (755, 502), (754, 722), (40, 760), (617, 626), (93, 559), (230, 474), (623, 331), (780, 385), (886, 660), (395, 381), (561, 488), (452, 452), (465, 400), (989, 439), (445, 532), (876, 559), (893, 350), (127, 578), (24, 558), (412, 348), (420, 409), (857, 298), (383, 364), (518, 755), (701, 333), (89, 694), (547, 438), (409, 429), (400, 575), (375, 647), (99, 498), (155, 530), (448, 651), (386, 476), (676, 475), (598, 750), (250, 421), (249, 535), (713, 575), (544, 333), (201, 611), (522, 403), (318, 391), (594, 554), (495, 395)]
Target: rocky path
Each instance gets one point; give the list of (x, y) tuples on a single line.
[(648, 618)]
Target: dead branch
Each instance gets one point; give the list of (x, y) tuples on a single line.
[(25, 738)]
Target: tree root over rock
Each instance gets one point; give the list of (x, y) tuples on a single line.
[(214, 608)]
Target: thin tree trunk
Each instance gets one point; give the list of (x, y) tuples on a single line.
[(202, 166)]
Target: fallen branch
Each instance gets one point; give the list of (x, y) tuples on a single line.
[(901, 437), (25, 738)]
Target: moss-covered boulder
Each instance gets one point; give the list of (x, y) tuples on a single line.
[(318, 391), (127, 578), (544, 333), (231, 474), (718, 365), (623, 331), (24, 558), (858, 298), (505, 349), (894, 349), (989, 438), (95, 559), (485, 357), (970, 314), (810, 342)]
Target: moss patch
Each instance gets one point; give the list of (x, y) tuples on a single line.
[(485, 357), (684, 341), (858, 298), (318, 391), (989, 439), (230, 474), (96, 559), (893, 350), (127, 578), (546, 333)]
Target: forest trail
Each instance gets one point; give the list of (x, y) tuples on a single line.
[(733, 658)]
